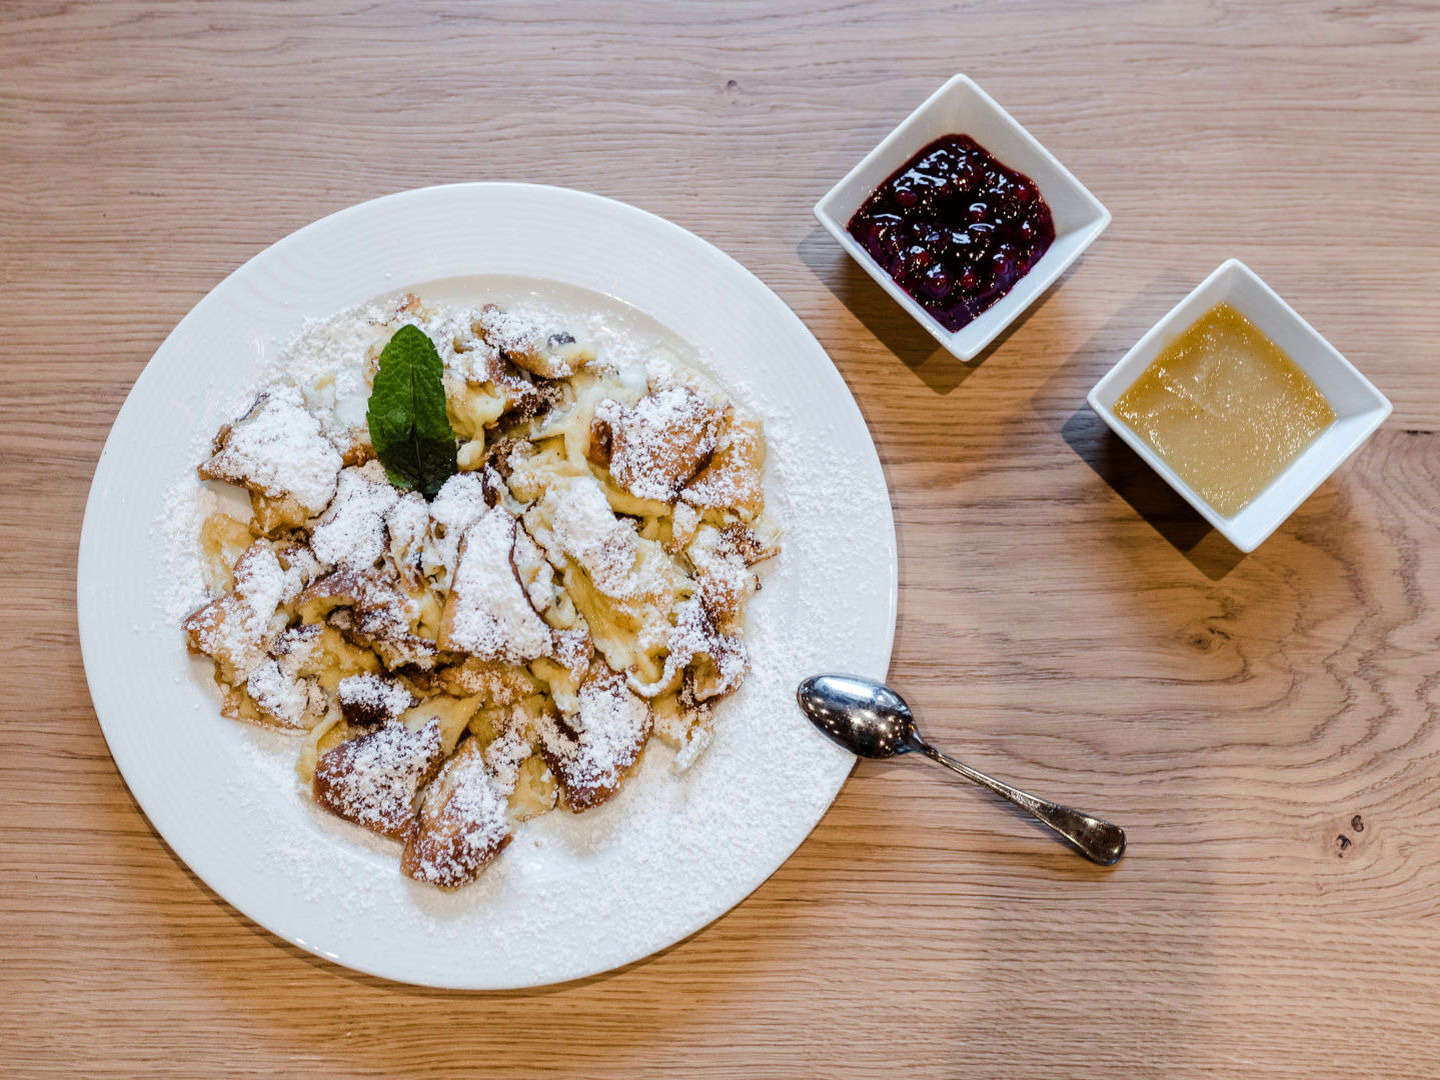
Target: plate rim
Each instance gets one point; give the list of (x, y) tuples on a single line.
[(86, 618)]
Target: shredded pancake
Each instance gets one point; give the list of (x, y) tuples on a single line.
[(509, 647)]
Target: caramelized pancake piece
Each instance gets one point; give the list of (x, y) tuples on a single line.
[(487, 613), (236, 629), (282, 700), (732, 478), (656, 446), (582, 526), (275, 517), (277, 450), (461, 825), (350, 534), (591, 750), (372, 780), (523, 342), (725, 579), (282, 691), (497, 683), (371, 610), (370, 700)]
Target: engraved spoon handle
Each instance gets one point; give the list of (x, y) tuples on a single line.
[(1096, 839)]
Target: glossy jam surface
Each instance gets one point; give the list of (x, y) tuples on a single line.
[(955, 228), (1225, 408)]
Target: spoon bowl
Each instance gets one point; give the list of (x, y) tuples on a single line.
[(871, 720), (865, 717)]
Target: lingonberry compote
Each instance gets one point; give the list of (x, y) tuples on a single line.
[(955, 228)]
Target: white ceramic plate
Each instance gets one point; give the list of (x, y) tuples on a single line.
[(573, 895)]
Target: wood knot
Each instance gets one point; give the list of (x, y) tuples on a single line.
[(1357, 823), (1342, 844), (1206, 638)]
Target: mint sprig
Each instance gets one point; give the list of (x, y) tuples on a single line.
[(409, 427)]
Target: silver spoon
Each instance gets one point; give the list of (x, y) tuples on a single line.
[(870, 719)]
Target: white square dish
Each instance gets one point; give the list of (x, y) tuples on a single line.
[(1359, 406), (961, 107)]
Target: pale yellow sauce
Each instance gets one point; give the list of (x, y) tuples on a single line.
[(1225, 408)]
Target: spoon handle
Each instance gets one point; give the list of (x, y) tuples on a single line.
[(1097, 840)]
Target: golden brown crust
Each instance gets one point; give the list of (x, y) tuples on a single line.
[(372, 780), (496, 682), (593, 749), (655, 447), (460, 826), (358, 453), (731, 479)]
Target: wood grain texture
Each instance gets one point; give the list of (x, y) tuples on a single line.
[(1264, 726)]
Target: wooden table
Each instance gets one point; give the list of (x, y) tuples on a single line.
[(1264, 726)]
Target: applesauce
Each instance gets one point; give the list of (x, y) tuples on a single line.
[(1225, 408)]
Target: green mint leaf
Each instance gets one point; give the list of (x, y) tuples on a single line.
[(409, 427)]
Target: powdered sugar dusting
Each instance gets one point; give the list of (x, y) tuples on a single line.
[(187, 504), (372, 780), (661, 441), (350, 535), (660, 838), (589, 750), (590, 533), (277, 448), (488, 614)]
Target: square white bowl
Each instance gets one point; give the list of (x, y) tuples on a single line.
[(962, 108), (1359, 406)]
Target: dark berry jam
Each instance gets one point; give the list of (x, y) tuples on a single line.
[(955, 228)]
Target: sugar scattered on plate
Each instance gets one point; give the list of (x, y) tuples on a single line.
[(646, 834)]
